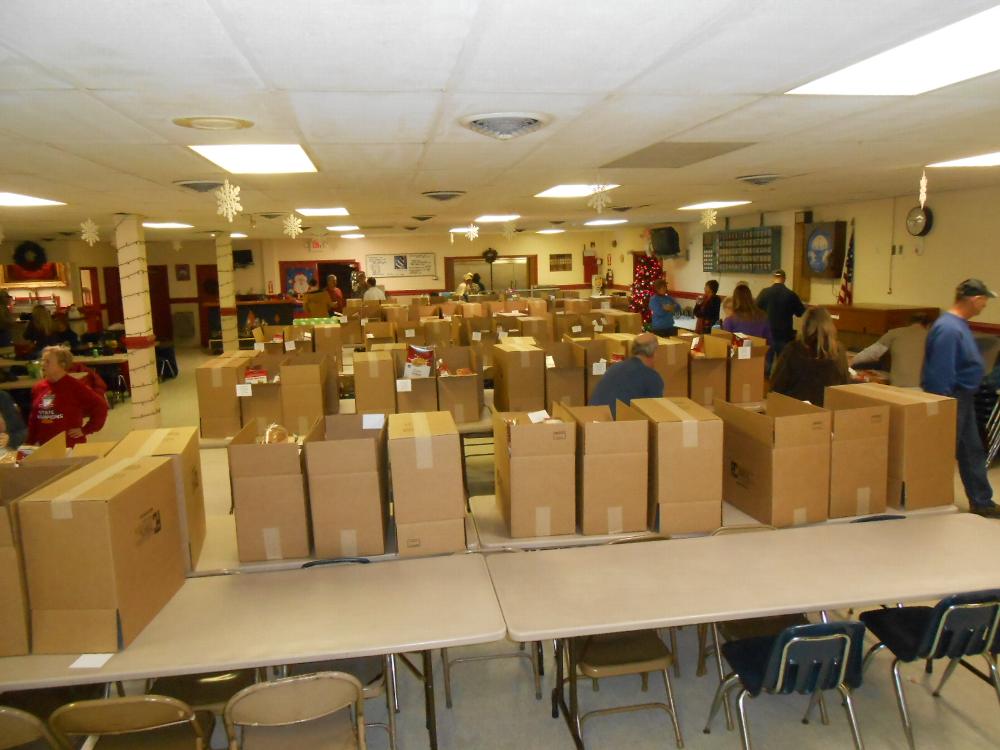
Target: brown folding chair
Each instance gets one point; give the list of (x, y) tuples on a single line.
[(162, 722), (19, 729)]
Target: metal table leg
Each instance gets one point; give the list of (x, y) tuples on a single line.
[(570, 712), (429, 699)]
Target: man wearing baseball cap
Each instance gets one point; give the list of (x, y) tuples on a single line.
[(954, 367)]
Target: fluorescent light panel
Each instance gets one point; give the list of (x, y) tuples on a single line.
[(342, 228), (353, 236), (573, 191), (250, 158), (166, 225), (604, 222), (712, 204), (458, 230), (322, 211), (237, 236), (17, 200), (983, 160), (495, 218), (957, 52), (550, 231)]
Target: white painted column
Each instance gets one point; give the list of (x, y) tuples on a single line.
[(130, 242), (227, 292)]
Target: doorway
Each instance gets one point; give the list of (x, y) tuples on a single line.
[(159, 303), (207, 276), (90, 302), (343, 273), (507, 272), (113, 292)]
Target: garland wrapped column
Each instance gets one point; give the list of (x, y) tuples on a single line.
[(130, 242), (227, 292)]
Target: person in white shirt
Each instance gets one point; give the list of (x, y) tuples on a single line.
[(373, 292), (905, 347)]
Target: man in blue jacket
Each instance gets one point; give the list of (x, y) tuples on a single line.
[(631, 378), (953, 367)]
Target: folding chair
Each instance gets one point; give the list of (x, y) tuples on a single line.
[(803, 659), (204, 692), (19, 728), (957, 626), (311, 711), (162, 722)]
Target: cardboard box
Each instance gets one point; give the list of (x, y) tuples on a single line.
[(348, 498), (565, 381), (430, 537), (777, 463), (859, 460), (269, 498), (685, 464), (563, 323), (507, 324), (619, 344), (304, 391), (625, 322), (471, 326), (411, 332), (535, 475), (470, 309), (262, 406), (571, 305), (538, 327), (102, 554), (536, 307), (708, 370), (398, 314), (378, 332), (438, 332), (426, 465), (328, 339), (595, 322), (351, 333), (415, 394), (593, 356), (671, 360), (461, 395), (218, 406), (612, 464), (374, 383), (180, 445), (747, 355), (519, 377), (921, 441)]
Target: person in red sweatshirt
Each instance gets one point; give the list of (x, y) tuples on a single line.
[(60, 403)]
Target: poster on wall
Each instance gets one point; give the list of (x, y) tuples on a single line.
[(403, 264), (48, 274), (298, 278)]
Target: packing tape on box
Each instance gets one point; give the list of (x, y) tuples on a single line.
[(525, 359), (61, 509), (864, 497), (745, 393), (800, 516), (272, 542), (543, 520), (459, 412), (689, 425), (671, 355), (216, 377), (708, 396), (616, 519), (422, 441), (913, 395), (349, 542), (150, 444), (373, 367)]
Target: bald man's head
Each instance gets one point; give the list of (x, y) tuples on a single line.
[(643, 347)]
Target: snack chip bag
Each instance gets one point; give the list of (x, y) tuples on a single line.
[(418, 361)]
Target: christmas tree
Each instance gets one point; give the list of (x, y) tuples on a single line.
[(646, 271)]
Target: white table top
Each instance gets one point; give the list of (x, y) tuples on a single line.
[(616, 588), (493, 531), (294, 616)]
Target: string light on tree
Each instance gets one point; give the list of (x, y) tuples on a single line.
[(292, 226), (88, 232), (648, 269), (228, 200), (709, 218)]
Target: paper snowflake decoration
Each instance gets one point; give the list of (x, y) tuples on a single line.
[(88, 232), (451, 237), (471, 232), (177, 245), (709, 217), (923, 189), (600, 199), (228, 199), (509, 230), (292, 226)]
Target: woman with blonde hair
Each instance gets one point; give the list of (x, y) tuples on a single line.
[(813, 361), (41, 330)]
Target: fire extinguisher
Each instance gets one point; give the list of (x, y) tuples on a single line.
[(609, 277)]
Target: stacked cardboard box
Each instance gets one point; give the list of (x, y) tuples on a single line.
[(592, 355), (102, 554), (745, 376), (519, 376), (777, 462), (348, 499), (708, 369), (535, 474), (438, 331), (427, 483), (921, 441), (218, 405), (859, 459), (460, 394), (378, 332), (625, 322), (565, 380), (685, 464), (671, 360), (306, 391), (269, 498), (259, 391), (374, 383), (612, 462), (539, 327), (577, 305)]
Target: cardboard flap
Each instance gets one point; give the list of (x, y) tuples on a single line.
[(801, 429), (249, 458), (714, 348), (672, 410), (861, 422), (759, 427), (165, 441), (55, 447), (421, 424), (304, 369)]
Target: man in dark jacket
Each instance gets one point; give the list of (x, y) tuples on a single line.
[(632, 378), (781, 304)]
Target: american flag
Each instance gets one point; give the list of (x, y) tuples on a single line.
[(846, 296)]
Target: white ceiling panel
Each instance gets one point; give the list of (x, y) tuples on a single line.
[(68, 117), (18, 73), (558, 110), (366, 156), (332, 117), (160, 163)]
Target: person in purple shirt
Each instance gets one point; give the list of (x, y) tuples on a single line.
[(954, 367), (747, 317)]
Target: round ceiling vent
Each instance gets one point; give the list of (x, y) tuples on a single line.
[(199, 186), (759, 179), (443, 195), (504, 125), (213, 122)]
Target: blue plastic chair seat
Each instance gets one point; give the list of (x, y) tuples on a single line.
[(901, 630)]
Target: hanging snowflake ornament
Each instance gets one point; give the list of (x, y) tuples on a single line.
[(600, 199), (88, 232), (177, 245), (923, 188), (451, 237), (292, 226), (228, 200), (709, 217), (471, 232), (509, 230)]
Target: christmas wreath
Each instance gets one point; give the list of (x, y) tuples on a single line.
[(30, 256)]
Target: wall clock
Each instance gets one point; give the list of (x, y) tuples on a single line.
[(919, 221)]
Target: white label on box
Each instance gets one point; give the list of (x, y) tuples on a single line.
[(543, 521), (598, 328), (577, 329), (550, 361), (372, 421), (272, 543), (409, 333), (538, 416), (477, 335), (369, 335), (91, 661), (349, 542), (864, 498), (599, 368), (244, 389), (501, 334), (258, 346), (404, 385), (743, 352), (289, 346), (364, 321), (616, 519), (932, 408), (307, 335)]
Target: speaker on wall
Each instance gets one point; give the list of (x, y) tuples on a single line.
[(665, 241)]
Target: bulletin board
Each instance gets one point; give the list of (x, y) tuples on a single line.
[(403, 264)]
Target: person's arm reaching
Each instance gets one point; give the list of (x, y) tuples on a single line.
[(870, 354)]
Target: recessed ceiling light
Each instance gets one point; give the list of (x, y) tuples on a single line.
[(604, 222), (494, 218), (712, 204), (353, 236), (343, 228), (550, 231), (258, 158), (573, 191), (322, 211), (16, 199), (213, 122), (166, 225), (459, 230), (957, 52), (504, 125), (983, 160), (237, 236)]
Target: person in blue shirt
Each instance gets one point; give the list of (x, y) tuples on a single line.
[(953, 367), (663, 307), (630, 378)]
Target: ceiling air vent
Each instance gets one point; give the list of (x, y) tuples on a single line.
[(443, 195), (504, 125), (199, 186), (271, 214), (424, 217), (759, 179)]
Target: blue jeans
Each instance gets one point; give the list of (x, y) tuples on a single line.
[(970, 453)]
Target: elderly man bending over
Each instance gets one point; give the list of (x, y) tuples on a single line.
[(631, 378)]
